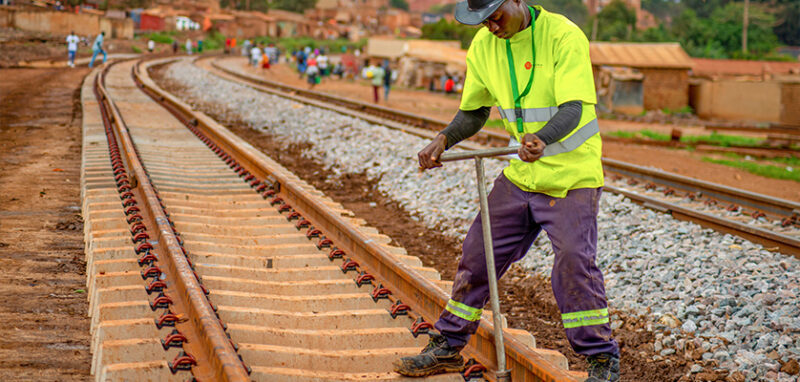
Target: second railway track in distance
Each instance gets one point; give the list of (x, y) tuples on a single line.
[(205, 256), (772, 222)]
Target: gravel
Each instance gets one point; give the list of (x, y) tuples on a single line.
[(736, 299)]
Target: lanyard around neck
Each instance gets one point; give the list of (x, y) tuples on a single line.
[(513, 73)]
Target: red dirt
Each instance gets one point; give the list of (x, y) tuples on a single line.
[(45, 335)]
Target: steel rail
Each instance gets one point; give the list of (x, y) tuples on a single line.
[(485, 136), (777, 207), (421, 294), (206, 338), (767, 204)]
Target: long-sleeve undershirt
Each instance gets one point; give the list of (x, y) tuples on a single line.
[(467, 123)]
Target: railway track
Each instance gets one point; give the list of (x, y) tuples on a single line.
[(772, 222), (499, 138), (207, 259)]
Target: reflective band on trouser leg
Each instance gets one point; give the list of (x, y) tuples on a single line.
[(585, 318), (464, 311)]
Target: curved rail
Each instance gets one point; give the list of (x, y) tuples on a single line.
[(420, 294), (786, 210), (206, 340)]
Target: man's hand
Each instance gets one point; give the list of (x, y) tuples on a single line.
[(531, 149), (429, 156)]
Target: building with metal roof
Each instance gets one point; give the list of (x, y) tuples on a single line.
[(664, 68)]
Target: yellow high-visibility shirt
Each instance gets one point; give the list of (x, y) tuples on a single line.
[(562, 72)]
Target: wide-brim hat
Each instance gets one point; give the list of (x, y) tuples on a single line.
[(474, 12)]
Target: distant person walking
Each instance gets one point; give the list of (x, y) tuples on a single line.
[(312, 72), (301, 62), (151, 45), (174, 46), (72, 48), (188, 46), (97, 48), (255, 55), (449, 85), (387, 80), (322, 61), (200, 46), (376, 73)]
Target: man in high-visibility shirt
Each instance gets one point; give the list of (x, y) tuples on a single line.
[(534, 66)]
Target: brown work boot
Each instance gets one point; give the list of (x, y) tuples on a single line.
[(436, 358)]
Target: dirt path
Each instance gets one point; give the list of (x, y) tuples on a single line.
[(440, 106), (45, 335)]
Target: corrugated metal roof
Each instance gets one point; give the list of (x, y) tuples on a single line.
[(711, 67), (386, 48), (446, 52), (640, 55)]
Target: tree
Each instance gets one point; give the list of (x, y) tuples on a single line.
[(445, 30), (298, 6), (574, 10), (246, 5), (443, 9), (615, 22), (788, 26), (399, 4), (728, 27), (665, 10)]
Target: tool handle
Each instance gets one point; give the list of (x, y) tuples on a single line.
[(461, 155)]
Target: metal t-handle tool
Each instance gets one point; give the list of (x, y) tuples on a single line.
[(502, 373)]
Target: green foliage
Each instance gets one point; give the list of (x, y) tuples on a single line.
[(723, 140), (768, 170), (615, 22), (649, 134), (443, 9), (213, 41), (704, 8), (787, 29), (728, 29), (160, 37), (655, 34), (298, 6), (575, 10), (136, 49), (446, 30), (720, 35), (288, 44), (244, 5), (662, 9), (400, 4), (622, 134), (713, 139)]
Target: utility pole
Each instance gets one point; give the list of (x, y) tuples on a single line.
[(744, 26)]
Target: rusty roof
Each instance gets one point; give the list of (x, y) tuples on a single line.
[(445, 52), (707, 67), (640, 55)]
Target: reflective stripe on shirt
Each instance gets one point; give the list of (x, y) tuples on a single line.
[(539, 114), (571, 143)]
